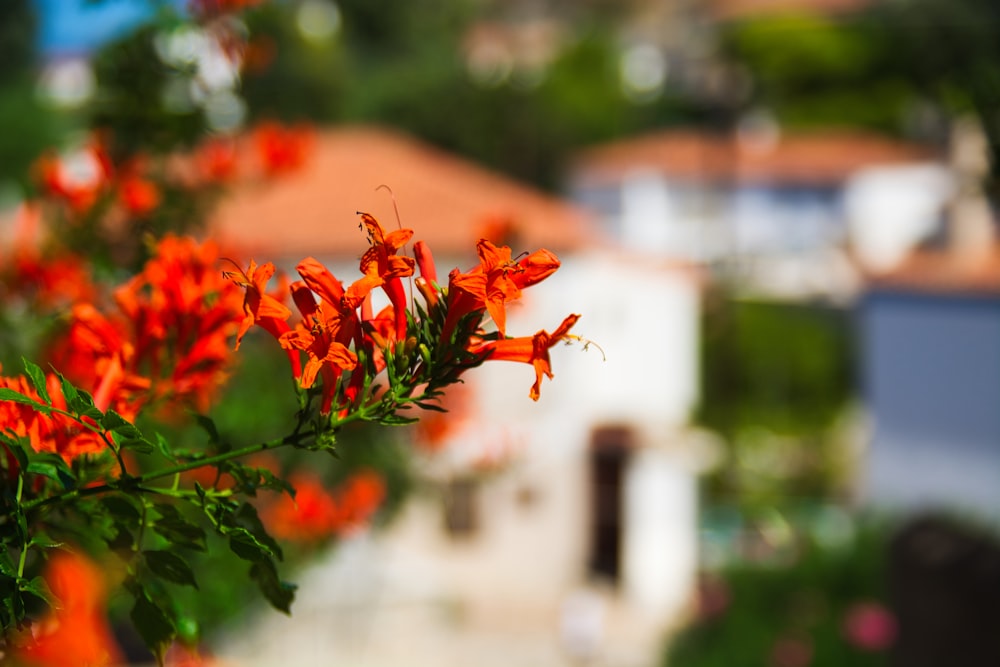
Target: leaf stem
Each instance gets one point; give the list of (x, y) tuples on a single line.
[(131, 482), (23, 558)]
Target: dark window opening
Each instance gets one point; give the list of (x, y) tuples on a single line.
[(608, 455), (461, 510)]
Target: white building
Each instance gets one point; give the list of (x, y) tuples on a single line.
[(583, 544), (788, 216)]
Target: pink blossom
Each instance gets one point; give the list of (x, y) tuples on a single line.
[(869, 626)]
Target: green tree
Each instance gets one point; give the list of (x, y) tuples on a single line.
[(815, 70), (28, 125)]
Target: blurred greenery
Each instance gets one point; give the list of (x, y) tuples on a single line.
[(950, 52), (404, 65), (775, 378), (813, 70), (130, 100), (258, 404), (750, 607), (29, 126)]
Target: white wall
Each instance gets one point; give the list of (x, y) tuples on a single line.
[(889, 210)]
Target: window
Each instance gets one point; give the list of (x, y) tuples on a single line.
[(609, 451), (461, 507)]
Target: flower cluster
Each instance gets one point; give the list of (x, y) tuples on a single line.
[(70, 441), (340, 340), (316, 513), (77, 631), (165, 344), (86, 179)]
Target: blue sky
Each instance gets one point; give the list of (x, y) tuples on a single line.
[(74, 26)]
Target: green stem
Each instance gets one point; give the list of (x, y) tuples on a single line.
[(184, 493), (136, 482), (132, 482), (23, 558)]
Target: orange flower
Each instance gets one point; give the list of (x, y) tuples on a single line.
[(56, 433), (381, 261), (310, 516), (262, 308), (315, 513), (259, 307), (138, 195), (427, 282), (282, 149), (76, 633), (168, 340), (76, 178), (533, 350), (496, 281), (179, 655), (216, 160), (334, 320), (48, 281), (344, 303), (359, 498), (317, 338)]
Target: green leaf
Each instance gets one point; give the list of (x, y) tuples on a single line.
[(19, 447), (424, 405), (114, 422), (209, 427), (246, 546), (39, 589), (52, 466), (397, 420), (8, 394), (163, 447), (137, 445), (177, 530), (153, 623), (248, 517), (279, 593), (43, 541), (121, 539), (83, 405), (168, 565), (275, 483), (121, 507), (69, 390), (17, 603), (37, 377), (7, 565)]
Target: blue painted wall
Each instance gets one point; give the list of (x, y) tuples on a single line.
[(931, 374)]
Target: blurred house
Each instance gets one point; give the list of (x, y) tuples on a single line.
[(785, 215), (550, 532), (929, 331)]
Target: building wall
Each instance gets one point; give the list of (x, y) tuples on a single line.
[(932, 383)]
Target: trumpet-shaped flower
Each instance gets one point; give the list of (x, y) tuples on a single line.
[(76, 633), (258, 306), (533, 350), (496, 281), (381, 261), (323, 336)]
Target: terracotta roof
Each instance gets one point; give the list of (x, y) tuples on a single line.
[(945, 272), (813, 158), (738, 9), (444, 199)]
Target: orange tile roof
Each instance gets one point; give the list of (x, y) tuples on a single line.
[(945, 272), (810, 158), (444, 199), (739, 9)]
